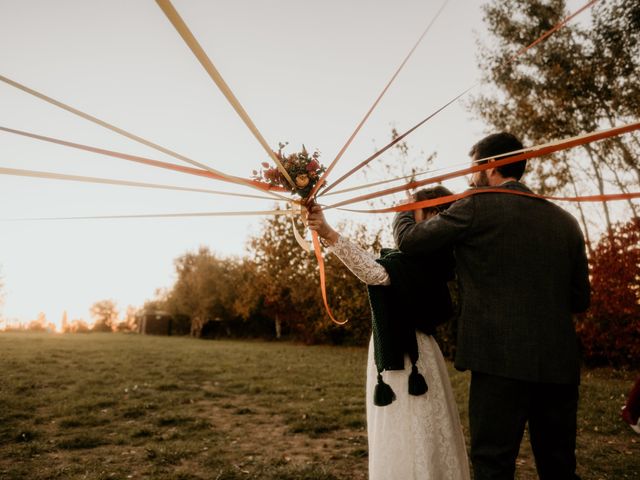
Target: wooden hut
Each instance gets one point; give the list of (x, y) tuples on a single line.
[(162, 323)]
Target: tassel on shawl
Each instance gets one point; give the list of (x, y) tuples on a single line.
[(417, 383), (383, 394)]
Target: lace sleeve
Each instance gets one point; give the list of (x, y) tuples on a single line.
[(361, 263)]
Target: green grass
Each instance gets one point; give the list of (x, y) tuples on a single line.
[(112, 406)]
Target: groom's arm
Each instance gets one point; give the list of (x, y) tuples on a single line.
[(429, 236), (580, 286)]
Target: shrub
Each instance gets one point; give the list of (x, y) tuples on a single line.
[(610, 329)]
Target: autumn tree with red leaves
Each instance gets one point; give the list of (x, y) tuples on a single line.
[(610, 330)]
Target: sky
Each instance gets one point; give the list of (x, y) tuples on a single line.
[(306, 73)]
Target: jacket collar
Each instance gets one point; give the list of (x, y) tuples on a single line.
[(511, 185)]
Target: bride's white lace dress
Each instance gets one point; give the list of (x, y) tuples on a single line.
[(416, 437)]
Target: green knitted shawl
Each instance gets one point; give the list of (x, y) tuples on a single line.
[(416, 299)]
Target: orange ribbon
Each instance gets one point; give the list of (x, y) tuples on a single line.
[(323, 282), (434, 202), (125, 183), (391, 144), (449, 199), (157, 215), (531, 153), (155, 163), (322, 179), (542, 37), (558, 26), (120, 131), (191, 41)]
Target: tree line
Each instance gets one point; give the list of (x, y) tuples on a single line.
[(274, 292), (581, 79), (271, 292)]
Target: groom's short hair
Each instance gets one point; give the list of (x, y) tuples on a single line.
[(497, 144)]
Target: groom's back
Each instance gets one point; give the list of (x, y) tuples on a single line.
[(522, 272)]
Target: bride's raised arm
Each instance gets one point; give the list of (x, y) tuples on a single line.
[(361, 263)]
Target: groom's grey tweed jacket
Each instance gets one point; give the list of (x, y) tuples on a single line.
[(522, 270)]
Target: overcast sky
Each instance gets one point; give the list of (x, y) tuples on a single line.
[(306, 72)]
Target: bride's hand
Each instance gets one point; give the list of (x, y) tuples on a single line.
[(418, 214), (317, 223)]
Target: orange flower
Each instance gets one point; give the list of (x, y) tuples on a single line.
[(302, 180)]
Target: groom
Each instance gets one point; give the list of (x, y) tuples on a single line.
[(522, 270)]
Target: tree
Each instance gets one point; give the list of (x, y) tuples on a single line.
[(274, 291), (1, 293), (105, 315), (578, 80), (400, 161), (64, 323), (205, 289), (129, 323), (289, 288), (284, 277), (40, 324), (347, 293), (610, 330), (77, 325), (157, 304)]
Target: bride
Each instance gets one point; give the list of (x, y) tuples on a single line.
[(413, 425)]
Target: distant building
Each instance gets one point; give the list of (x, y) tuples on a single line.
[(162, 323)]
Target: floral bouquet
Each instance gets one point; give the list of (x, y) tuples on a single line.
[(304, 169)]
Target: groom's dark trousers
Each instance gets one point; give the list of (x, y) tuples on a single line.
[(522, 272), (499, 407)]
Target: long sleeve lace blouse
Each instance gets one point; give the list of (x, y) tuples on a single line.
[(361, 263)]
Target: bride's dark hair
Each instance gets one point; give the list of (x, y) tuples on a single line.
[(431, 193)]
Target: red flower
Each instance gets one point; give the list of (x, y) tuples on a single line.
[(312, 165), (270, 174), (265, 164)]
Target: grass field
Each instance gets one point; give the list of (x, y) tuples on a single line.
[(115, 406)]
